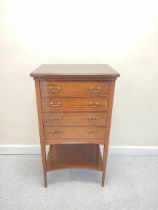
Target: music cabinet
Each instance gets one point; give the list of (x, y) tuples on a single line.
[(74, 104)]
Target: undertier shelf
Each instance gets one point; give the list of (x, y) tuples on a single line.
[(62, 156)]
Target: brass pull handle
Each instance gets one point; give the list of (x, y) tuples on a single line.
[(93, 104), (55, 119), (92, 131), (95, 89), (54, 104), (93, 118), (54, 88), (55, 132)]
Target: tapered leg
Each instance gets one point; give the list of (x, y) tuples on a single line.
[(43, 156), (105, 151), (43, 149), (107, 131)]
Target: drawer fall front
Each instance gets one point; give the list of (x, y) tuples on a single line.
[(74, 104), (74, 89), (74, 118), (87, 127), (72, 132)]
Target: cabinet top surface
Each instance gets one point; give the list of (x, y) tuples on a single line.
[(74, 71)]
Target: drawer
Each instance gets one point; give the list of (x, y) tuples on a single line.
[(74, 89), (91, 118), (74, 104), (74, 132)]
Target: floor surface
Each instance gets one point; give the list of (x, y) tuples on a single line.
[(131, 184)]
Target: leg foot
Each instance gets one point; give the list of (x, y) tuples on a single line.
[(103, 178), (45, 179), (104, 165), (44, 164)]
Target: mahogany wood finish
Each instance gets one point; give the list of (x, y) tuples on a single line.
[(74, 112)]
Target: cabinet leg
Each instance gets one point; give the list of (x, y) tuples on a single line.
[(103, 178), (43, 156), (45, 179), (104, 165), (43, 149)]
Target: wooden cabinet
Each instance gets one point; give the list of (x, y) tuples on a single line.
[(74, 104)]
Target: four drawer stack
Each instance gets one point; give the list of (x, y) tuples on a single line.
[(74, 111)]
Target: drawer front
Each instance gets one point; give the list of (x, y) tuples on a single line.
[(74, 89), (74, 132), (93, 118), (74, 104)]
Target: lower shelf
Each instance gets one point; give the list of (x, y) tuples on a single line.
[(62, 156)]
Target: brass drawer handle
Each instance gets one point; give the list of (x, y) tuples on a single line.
[(55, 104), (93, 104), (55, 132), (93, 118), (55, 119), (95, 89), (92, 131), (54, 88)]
